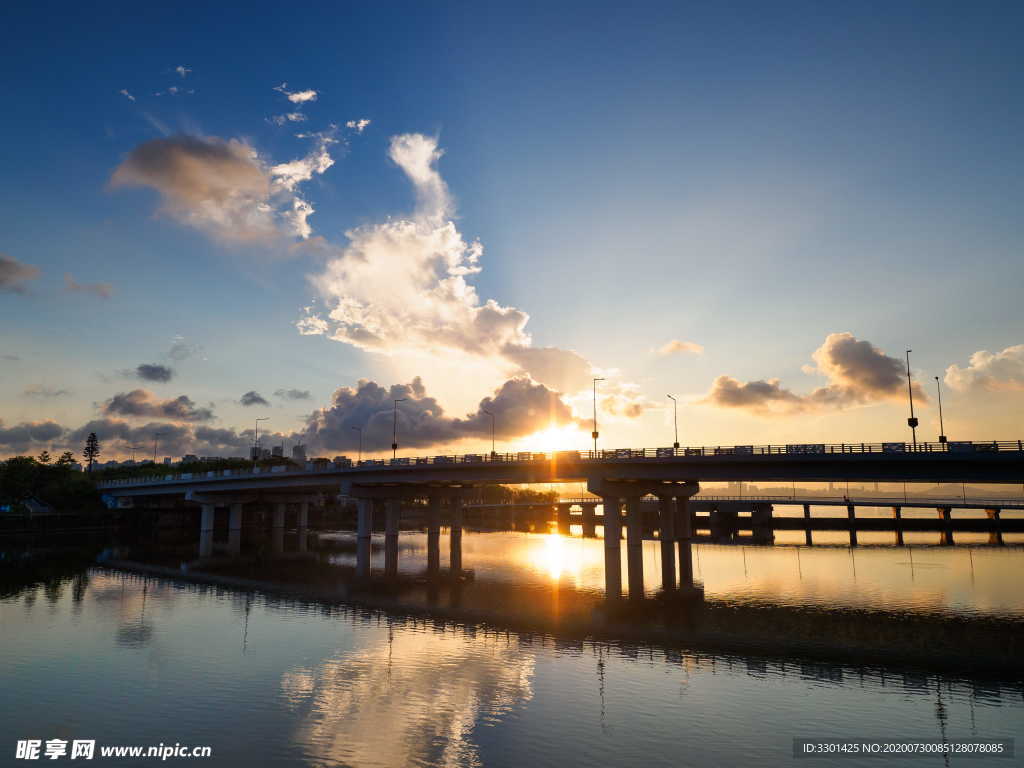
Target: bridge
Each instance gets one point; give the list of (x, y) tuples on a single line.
[(619, 478)]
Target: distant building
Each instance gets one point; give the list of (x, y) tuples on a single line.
[(167, 460), (299, 452), (278, 451), (189, 457)]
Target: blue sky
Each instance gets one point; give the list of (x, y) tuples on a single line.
[(747, 178)]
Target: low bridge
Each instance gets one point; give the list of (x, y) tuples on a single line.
[(620, 478)]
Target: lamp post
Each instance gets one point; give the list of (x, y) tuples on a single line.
[(493, 452), (156, 442), (912, 421), (394, 436), (360, 431), (256, 440), (675, 419), (942, 428), (594, 434)]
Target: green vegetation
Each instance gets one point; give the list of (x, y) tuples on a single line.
[(53, 483)]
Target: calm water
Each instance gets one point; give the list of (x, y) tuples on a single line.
[(124, 659)]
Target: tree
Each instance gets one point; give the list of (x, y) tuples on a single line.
[(44, 457), (66, 459), (92, 449)]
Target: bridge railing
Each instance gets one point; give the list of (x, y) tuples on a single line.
[(617, 454)]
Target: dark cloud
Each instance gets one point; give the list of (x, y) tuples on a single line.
[(15, 275), (252, 397), (101, 290), (12, 358), (520, 406), (858, 372), (215, 185), (141, 402), (728, 392), (293, 394), (21, 436), (45, 393), (154, 372)]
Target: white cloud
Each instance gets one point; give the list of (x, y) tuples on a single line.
[(124, 92), (182, 70), (1002, 371), (401, 287), (288, 117), (358, 125), (675, 347), (296, 97)]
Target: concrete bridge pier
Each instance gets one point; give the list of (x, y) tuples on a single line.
[(808, 538), (685, 565), (723, 522), (851, 517), (996, 535), (635, 547), (612, 547), (434, 533), (455, 533), (562, 512), (897, 516), (277, 528), (589, 520), (206, 523), (303, 526), (667, 539), (364, 528), (946, 515), (761, 523), (235, 529), (392, 519)]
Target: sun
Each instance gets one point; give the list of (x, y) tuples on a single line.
[(553, 438)]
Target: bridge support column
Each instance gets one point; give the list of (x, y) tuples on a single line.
[(206, 523), (277, 528), (303, 526), (235, 529), (434, 533), (667, 537), (761, 523), (723, 522), (393, 514), (685, 565), (589, 520), (851, 517), (635, 547), (564, 523), (364, 529), (455, 534), (897, 517), (808, 538), (996, 535), (612, 524), (946, 515)]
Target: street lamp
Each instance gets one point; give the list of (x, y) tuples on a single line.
[(156, 441), (912, 421), (360, 431), (394, 437), (595, 433), (493, 452), (675, 419), (942, 428), (256, 440)]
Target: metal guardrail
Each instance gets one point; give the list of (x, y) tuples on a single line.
[(617, 454)]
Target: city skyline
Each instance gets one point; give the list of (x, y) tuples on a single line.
[(484, 221)]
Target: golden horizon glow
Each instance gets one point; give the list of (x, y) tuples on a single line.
[(564, 438)]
